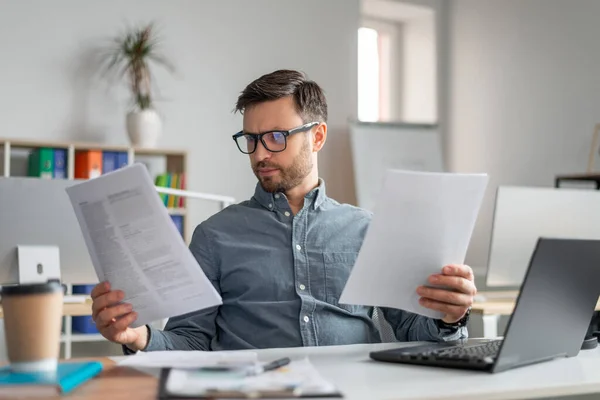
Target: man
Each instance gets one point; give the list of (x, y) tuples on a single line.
[(281, 259)]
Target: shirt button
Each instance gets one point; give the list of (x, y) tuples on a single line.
[(277, 196), (298, 247), (306, 319), (287, 213), (270, 205), (302, 287)]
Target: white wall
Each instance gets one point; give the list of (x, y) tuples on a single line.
[(47, 90), (524, 95), (391, 95), (419, 73)]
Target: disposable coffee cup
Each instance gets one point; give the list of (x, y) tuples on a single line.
[(32, 325)]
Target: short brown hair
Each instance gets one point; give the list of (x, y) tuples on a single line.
[(310, 100)]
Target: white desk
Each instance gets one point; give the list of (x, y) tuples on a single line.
[(359, 378), (491, 305)]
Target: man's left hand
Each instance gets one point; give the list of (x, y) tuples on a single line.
[(457, 295)]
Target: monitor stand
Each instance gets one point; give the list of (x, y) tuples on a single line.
[(38, 264), (592, 335), (590, 342)]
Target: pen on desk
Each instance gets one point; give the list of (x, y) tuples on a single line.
[(273, 365)]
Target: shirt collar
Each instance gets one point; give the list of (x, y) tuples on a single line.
[(317, 195), (268, 200)]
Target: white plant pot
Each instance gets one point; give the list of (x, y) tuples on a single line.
[(144, 128)]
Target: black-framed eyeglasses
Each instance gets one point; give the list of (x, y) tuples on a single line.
[(273, 141)]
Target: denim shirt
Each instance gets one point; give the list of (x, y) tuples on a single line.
[(280, 276)]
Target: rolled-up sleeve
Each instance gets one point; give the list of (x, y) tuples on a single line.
[(196, 330), (414, 327), (192, 331)]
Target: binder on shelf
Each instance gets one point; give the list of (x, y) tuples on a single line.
[(178, 221), (109, 161), (60, 164), (161, 180), (168, 185), (122, 159), (41, 163), (68, 377), (83, 323), (88, 164), (173, 185), (171, 181), (182, 187)]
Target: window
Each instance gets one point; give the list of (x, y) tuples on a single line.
[(374, 74), (397, 63), (368, 75)]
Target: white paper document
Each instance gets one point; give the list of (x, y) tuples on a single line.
[(134, 245), (189, 359), (421, 222)]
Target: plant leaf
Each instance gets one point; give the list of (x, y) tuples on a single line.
[(128, 55)]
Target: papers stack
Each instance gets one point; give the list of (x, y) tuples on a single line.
[(228, 374), (298, 379), (189, 359)]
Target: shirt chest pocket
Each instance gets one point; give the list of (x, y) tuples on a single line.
[(337, 267)]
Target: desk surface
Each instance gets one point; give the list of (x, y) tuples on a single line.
[(350, 368), (499, 303)]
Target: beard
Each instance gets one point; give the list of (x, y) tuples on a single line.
[(288, 178)]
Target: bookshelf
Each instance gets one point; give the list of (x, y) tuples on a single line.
[(169, 161), (14, 161)]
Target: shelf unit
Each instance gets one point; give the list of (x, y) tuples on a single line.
[(175, 161), (84, 337)]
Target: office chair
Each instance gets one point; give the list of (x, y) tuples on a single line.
[(385, 329)]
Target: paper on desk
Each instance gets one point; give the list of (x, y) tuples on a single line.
[(299, 378), (134, 245), (189, 359), (421, 222)]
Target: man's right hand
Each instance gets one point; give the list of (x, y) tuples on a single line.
[(113, 318)]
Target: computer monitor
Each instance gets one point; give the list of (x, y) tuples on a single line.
[(524, 214), (37, 212)]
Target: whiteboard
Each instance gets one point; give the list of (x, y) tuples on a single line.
[(377, 147)]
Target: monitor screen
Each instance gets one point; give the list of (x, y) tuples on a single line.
[(524, 214), (37, 212)]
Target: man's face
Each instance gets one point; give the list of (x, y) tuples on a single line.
[(280, 171)]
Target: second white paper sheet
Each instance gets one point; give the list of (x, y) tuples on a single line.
[(135, 246), (421, 222)]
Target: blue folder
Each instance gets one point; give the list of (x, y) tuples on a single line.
[(109, 161), (69, 376), (60, 164)]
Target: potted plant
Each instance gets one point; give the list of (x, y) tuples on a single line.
[(129, 56)]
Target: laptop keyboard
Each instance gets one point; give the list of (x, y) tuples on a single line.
[(480, 356), (483, 351)]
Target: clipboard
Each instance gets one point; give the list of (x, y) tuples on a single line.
[(277, 391)]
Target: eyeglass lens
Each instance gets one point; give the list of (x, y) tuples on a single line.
[(273, 141)]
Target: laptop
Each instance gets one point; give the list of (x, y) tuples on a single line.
[(550, 319)]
